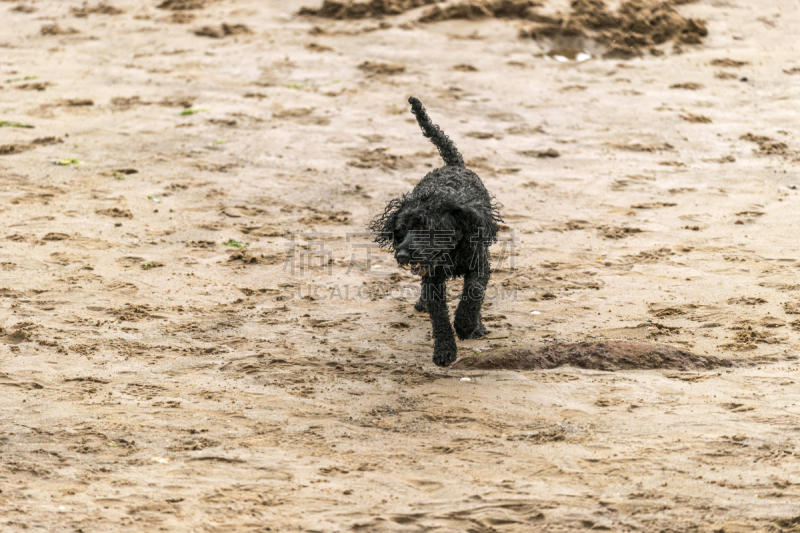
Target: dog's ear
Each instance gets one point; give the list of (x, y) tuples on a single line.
[(383, 226), (476, 222)]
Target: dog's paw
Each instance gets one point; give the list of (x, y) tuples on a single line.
[(445, 357), (479, 332), (470, 331), (466, 329), (420, 306)]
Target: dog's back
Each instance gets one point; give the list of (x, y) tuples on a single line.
[(454, 182)]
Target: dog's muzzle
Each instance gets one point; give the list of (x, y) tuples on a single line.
[(419, 270), (403, 257)]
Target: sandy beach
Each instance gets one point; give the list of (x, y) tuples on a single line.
[(197, 335)]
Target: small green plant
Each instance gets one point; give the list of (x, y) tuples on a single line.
[(119, 176), (194, 111), (113, 444), (154, 199), (236, 244), (295, 86), (68, 161), (217, 143), (4, 124), (26, 78), (148, 266)]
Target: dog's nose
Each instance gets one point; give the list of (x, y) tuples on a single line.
[(403, 256)]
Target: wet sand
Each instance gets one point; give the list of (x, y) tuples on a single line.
[(153, 378)]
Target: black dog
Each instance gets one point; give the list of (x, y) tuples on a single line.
[(443, 229)]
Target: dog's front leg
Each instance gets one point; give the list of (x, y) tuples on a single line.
[(421, 305), (468, 314), (435, 297)]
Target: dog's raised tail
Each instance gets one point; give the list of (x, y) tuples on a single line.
[(447, 148)]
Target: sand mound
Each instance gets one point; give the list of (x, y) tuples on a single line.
[(224, 30), (100, 9), (604, 355), (333, 9), (473, 10), (636, 26), (180, 5), (377, 68), (55, 29), (767, 145), (18, 148)]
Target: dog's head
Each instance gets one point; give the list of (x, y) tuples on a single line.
[(426, 231)]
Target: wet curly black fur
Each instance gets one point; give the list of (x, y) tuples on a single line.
[(442, 229)]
